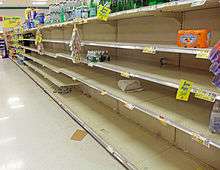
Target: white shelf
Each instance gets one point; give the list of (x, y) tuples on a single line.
[(58, 79), (191, 117), (56, 41), (139, 46), (160, 9), (29, 48), (167, 76), (49, 41), (126, 137)]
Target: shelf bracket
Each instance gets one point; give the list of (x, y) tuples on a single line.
[(214, 124)]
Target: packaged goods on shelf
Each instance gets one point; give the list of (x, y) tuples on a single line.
[(194, 38), (130, 85), (33, 18), (98, 56)]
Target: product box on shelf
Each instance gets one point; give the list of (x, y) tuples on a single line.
[(194, 38)]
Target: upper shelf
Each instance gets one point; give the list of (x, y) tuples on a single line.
[(135, 46), (169, 8), (141, 46)]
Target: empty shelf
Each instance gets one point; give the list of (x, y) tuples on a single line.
[(58, 79), (140, 46), (168, 75), (140, 147), (191, 117)]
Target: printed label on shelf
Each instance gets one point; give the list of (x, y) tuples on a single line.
[(90, 64), (103, 93), (150, 50), (203, 54), (184, 90), (198, 3), (201, 140), (74, 78), (205, 95), (162, 120), (103, 13), (129, 106), (125, 74)]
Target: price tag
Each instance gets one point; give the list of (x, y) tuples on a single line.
[(201, 140), (125, 74), (90, 64), (103, 13), (162, 120), (150, 50), (103, 93), (205, 95), (184, 90), (198, 3), (203, 54), (129, 106)]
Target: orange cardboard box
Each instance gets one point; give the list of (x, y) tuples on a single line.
[(194, 38)]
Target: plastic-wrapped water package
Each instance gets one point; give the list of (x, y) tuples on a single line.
[(130, 85)]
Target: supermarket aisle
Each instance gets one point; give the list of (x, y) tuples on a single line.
[(35, 134)]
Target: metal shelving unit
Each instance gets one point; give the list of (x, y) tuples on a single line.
[(155, 108), (167, 76), (135, 46), (108, 85)]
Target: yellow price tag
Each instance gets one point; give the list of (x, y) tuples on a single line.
[(205, 95), (200, 140), (184, 90), (125, 74), (162, 120), (103, 13), (203, 54), (150, 50), (103, 93)]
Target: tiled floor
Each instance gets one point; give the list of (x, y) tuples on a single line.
[(35, 133)]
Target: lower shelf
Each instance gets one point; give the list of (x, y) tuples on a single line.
[(60, 80), (143, 149), (190, 117)]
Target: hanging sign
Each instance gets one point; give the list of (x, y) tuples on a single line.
[(11, 21), (103, 13), (184, 90)]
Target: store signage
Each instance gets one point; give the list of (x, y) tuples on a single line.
[(184, 90), (11, 21), (103, 13)]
